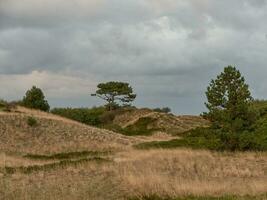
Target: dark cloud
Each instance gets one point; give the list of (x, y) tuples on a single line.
[(167, 49)]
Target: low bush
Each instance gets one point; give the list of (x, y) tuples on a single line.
[(219, 139), (207, 138), (7, 106), (162, 110), (31, 121)]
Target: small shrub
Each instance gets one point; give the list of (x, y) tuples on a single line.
[(162, 110), (31, 121), (7, 106)]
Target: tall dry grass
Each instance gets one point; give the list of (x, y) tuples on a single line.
[(186, 172), (139, 173)]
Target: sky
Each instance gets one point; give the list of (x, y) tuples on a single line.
[(168, 50)]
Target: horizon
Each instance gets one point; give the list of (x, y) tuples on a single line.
[(167, 50)]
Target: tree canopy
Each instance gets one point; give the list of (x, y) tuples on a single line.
[(115, 92), (228, 101), (35, 99)]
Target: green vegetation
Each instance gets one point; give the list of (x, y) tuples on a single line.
[(68, 155), (6, 106), (141, 127), (51, 166), (35, 99), (114, 92), (84, 115), (102, 118), (162, 110), (228, 102), (31, 121), (3, 105), (220, 140), (238, 122), (155, 197)]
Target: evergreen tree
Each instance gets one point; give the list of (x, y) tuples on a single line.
[(114, 92), (229, 101), (35, 99)]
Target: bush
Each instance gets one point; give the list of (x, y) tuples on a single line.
[(84, 115), (162, 110), (214, 139), (31, 121), (7, 106), (3, 105)]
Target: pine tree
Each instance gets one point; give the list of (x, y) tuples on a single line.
[(35, 99), (229, 101)]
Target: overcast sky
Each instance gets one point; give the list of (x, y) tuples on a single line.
[(168, 50)]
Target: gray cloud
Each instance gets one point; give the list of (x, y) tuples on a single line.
[(167, 49)]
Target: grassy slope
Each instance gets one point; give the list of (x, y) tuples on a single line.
[(60, 160), (132, 121), (204, 138), (53, 134)]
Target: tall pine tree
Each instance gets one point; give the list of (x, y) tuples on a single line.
[(229, 101)]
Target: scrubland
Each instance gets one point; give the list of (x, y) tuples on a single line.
[(62, 159)]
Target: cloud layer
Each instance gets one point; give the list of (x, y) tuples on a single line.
[(167, 49)]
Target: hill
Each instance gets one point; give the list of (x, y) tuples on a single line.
[(159, 122), (217, 139), (59, 158), (53, 134), (132, 121)]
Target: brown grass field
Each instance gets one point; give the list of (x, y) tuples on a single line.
[(121, 173)]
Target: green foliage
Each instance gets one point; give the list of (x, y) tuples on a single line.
[(114, 92), (102, 118), (52, 166), (35, 99), (162, 110), (84, 115), (214, 139), (2, 103), (229, 102), (7, 106), (31, 121), (141, 127), (68, 155), (254, 139)]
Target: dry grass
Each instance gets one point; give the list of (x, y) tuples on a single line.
[(171, 124), (54, 134), (138, 173), (131, 173), (85, 181), (186, 172)]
